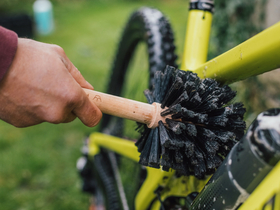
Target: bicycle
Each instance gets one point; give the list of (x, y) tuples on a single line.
[(161, 189)]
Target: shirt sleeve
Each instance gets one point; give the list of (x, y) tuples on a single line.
[(8, 47)]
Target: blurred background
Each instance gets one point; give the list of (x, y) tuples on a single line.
[(37, 164)]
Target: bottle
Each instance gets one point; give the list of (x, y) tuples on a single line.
[(43, 14), (247, 164)]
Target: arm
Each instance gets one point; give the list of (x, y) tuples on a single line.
[(42, 85), (8, 47)]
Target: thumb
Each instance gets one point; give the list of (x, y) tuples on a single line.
[(88, 112)]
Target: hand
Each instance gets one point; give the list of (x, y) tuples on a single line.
[(42, 85)]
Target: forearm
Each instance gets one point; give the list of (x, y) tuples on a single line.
[(8, 47)]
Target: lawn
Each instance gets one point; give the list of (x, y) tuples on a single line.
[(37, 164)]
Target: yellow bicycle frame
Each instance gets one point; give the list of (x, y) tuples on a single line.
[(155, 177), (255, 56), (197, 39)]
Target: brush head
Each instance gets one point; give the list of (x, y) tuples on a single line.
[(204, 126)]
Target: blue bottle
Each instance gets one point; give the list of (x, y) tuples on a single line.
[(43, 14)]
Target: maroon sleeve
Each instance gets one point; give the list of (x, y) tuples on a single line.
[(8, 47)]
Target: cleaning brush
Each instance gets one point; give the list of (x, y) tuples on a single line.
[(188, 124)]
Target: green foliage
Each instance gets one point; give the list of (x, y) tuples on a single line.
[(14, 5), (234, 22)]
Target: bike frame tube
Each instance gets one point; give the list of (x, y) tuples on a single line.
[(118, 145), (197, 39), (180, 187), (155, 177), (255, 56)]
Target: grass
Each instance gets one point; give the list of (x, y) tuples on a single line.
[(37, 164)]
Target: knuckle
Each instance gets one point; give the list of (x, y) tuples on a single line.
[(55, 115), (74, 98), (55, 118), (71, 99), (58, 49), (78, 73)]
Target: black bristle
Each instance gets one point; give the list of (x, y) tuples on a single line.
[(178, 156), (189, 115), (200, 169), (195, 100), (202, 128), (224, 136), (166, 81), (182, 98), (172, 142), (193, 160), (172, 94), (189, 148), (157, 87), (145, 153), (142, 140), (155, 150), (166, 164), (149, 96), (206, 133), (163, 133), (165, 153), (176, 141), (172, 109), (176, 127), (191, 129)]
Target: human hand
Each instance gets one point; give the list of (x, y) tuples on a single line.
[(42, 85)]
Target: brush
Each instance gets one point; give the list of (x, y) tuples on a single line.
[(188, 124)]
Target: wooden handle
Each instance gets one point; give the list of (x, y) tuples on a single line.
[(148, 114)]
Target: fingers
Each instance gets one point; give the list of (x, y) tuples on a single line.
[(84, 109), (88, 112), (76, 74)]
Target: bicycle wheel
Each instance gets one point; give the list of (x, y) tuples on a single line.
[(130, 76), (146, 46)]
